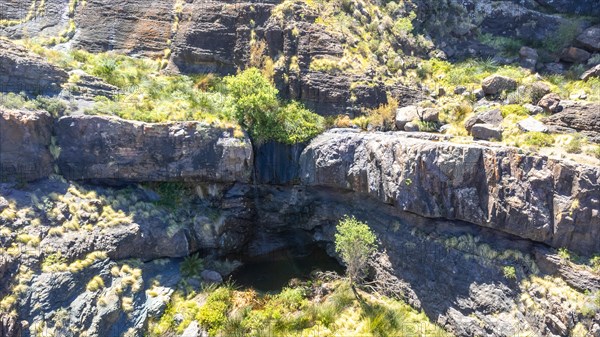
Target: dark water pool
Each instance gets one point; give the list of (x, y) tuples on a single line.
[(273, 272)]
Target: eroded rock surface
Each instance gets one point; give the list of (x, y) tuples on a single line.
[(23, 71), (106, 148), (525, 195), (25, 138)]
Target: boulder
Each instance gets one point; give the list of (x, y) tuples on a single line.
[(459, 90), (533, 109), (574, 55), (491, 117), (528, 57), (486, 132), (528, 53), (411, 127), (103, 148), (23, 71), (554, 68), (579, 7), (538, 90), (550, 103), (406, 115), (25, 138), (194, 330), (593, 72), (589, 39), (3, 203), (479, 94), (496, 84), (580, 116), (211, 276), (531, 124)]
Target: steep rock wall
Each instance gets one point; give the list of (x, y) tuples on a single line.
[(551, 201), (112, 149), (24, 145)]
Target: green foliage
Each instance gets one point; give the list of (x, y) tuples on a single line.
[(564, 254), (355, 242), (507, 46), (513, 109), (575, 144), (56, 107), (427, 126), (509, 272), (213, 314), (595, 263), (383, 118), (257, 109), (191, 265), (565, 34), (537, 139)]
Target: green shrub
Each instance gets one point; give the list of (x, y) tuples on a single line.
[(575, 144), (355, 242), (213, 314), (564, 254), (537, 139), (509, 272), (513, 109), (595, 262), (257, 109), (191, 265), (564, 35), (383, 118)]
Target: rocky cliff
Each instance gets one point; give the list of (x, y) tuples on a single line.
[(452, 214), (536, 198), (222, 36)]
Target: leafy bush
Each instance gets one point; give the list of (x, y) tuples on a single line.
[(509, 272), (191, 265), (575, 144), (383, 118), (513, 109), (213, 314), (537, 139), (257, 109), (355, 243)]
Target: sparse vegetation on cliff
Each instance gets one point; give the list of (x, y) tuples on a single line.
[(355, 242)]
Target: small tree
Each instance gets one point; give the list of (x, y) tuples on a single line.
[(355, 242)]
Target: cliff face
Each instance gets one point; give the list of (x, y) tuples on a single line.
[(533, 197), (105, 149), (25, 138), (452, 214)]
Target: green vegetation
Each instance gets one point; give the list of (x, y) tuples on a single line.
[(376, 34), (56, 107), (355, 242), (257, 109), (564, 254), (213, 314), (191, 265), (248, 99), (294, 311), (509, 272)]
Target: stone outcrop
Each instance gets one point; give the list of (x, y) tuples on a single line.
[(136, 27), (9, 327), (496, 84), (112, 149), (529, 196), (23, 71), (590, 39), (580, 116), (25, 138)]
